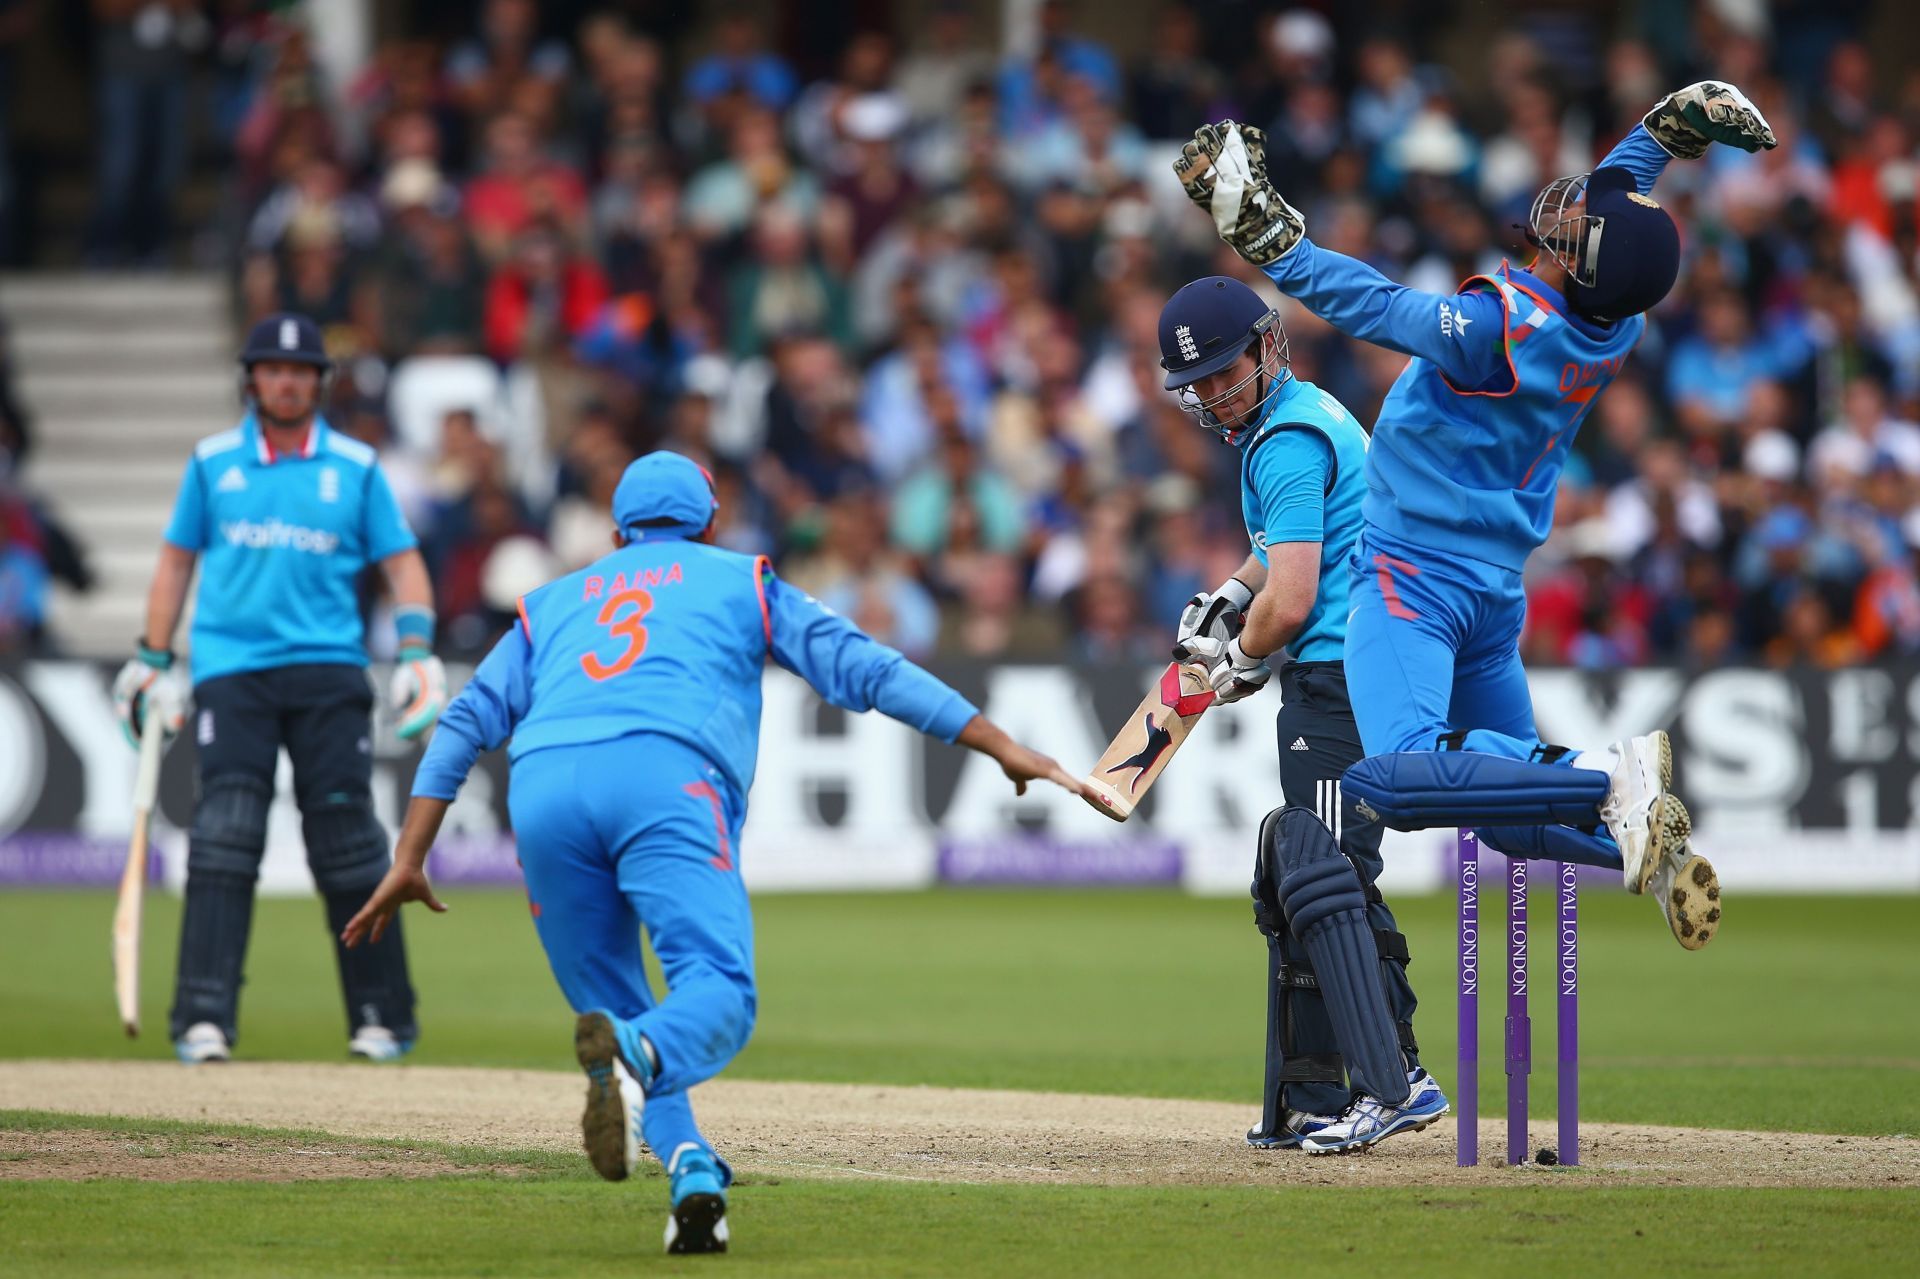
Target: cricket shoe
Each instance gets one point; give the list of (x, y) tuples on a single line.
[(1689, 893), (1295, 1125), (611, 1124), (698, 1222), (1369, 1119), (377, 1043), (1642, 814), (202, 1043)]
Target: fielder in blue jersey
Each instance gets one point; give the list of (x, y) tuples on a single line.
[(1461, 479), (284, 515), (1339, 1007), (630, 691)]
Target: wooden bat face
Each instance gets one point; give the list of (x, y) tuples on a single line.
[(1140, 751)]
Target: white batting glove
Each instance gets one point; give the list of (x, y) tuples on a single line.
[(1217, 614), (418, 692), (1230, 670), (150, 684), (1224, 171), (1686, 122)]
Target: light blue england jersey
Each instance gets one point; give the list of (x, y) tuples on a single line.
[(282, 543), (1302, 479)]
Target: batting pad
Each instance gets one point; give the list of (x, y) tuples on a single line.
[(1327, 910), (1416, 790)]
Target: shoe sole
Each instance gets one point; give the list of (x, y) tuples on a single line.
[(1419, 1125), (606, 1125), (1656, 822), (1693, 903), (698, 1225)]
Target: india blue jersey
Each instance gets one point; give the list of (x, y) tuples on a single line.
[(1301, 480), (1468, 447), (670, 637), (282, 543)]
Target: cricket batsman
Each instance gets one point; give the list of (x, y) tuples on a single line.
[(286, 514), (631, 692), (1339, 1006), (1461, 479)]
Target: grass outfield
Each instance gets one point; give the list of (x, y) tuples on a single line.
[(551, 1217), (1790, 1020), (1787, 1021)]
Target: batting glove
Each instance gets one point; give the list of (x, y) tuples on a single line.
[(1224, 171), (1216, 614), (418, 693), (1687, 122), (1230, 670), (149, 683)]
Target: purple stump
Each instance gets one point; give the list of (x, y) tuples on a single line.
[(1519, 1026), (1567, 1016), (1467, 1082)]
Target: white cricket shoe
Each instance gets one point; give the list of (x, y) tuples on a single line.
[(202, 1043), (1369, 1120), (377, 1043), (1689, 893), (1642, 814), (610, 1127), (1293, 1126)]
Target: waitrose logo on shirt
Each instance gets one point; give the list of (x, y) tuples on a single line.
[(277, 534)]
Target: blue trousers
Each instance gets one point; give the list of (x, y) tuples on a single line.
[(643, 832), (1433, 649)]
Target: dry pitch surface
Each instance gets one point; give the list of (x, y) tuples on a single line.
[(834, 1130)]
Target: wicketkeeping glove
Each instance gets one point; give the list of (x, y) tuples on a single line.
[(1230, 670), (1224, 171), (1216, 614), (1685, 123), (418, 692), (149, 683)]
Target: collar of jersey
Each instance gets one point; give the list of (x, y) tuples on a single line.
[(1560, 307), (1287, 392), (257, 439)]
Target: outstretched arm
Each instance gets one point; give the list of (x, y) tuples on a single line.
[(854, 671)]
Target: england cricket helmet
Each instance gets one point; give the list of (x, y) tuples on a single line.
[(289, 337), (1204, 328), (664, 495), (1620, 249)]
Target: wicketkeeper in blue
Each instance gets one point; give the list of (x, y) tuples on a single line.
[(284, 515), (1339, 1006), (631, 693), (1461, 479)]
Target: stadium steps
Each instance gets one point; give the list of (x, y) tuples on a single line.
[(122, 373)]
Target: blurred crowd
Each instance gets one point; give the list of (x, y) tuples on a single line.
[(903, 305)]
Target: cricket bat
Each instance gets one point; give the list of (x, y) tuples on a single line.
[(133, 880), (1140, 751)]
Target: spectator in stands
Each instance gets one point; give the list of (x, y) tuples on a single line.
[(518, 185), (23, 580), (496, 69), (542, 298), (143, 51)]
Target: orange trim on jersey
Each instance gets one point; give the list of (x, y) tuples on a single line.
[(1506, 340), (1538, 301), (525, 625), (1538, 460), (1384, 565), (761, 567)]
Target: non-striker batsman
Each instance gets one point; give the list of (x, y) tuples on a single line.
[(283, 515)]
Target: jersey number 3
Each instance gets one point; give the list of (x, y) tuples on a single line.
[(620, 625)]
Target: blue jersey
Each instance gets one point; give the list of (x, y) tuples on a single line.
[(1301, 480), (670, 637), (283, 541), (1469, 444)]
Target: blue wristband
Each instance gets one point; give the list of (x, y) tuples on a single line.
[(414, 627), (161, 659)]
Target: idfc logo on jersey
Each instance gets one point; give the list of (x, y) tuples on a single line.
[(276, 534)]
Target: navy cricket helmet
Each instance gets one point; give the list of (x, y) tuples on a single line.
[(1204, 328), (1621, 250), (287, 336)]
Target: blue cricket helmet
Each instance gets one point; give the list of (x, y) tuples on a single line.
[(1621, 250), (1204, 328), (287, 336)]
